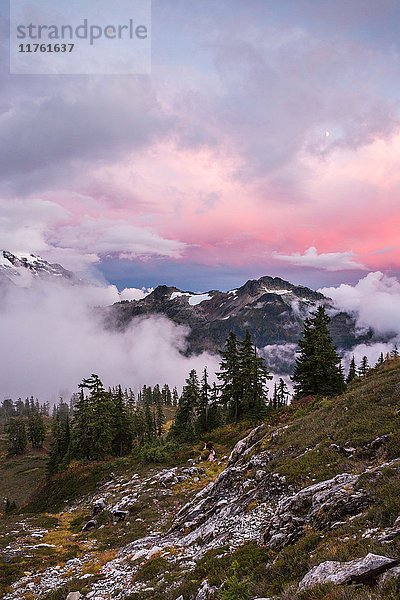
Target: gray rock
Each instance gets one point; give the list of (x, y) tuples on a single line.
[(378, 442), (74, 596), (120, 515), (90, 525), (361, 570), (246, 443), (98, 506), (205, 592), (320, 504)]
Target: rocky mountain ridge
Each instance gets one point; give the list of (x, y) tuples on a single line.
[(272, 309), (21, 268)]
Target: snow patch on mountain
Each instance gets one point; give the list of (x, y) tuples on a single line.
[(193, 299), (279, 292), (198, 299)]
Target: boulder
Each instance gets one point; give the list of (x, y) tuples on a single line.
[(90, 525), (74, 596), (245, 444), (206, 592), (98, 506), (379, 442), (120, 515), (361, 570)]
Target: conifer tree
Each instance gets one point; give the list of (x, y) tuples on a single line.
[(364, 367), (81, 435), (121, 425), (183, 427), (16, 434), (36, 428), (138, 426), (156, 394), (274, 401), (175, 397), (166, 395), (92, 422), (380, 360), (131, 401), (317, 370), (149, 421), (282, 393), (7, 409), (19, 407), (61, 437), (352, 371), (203, 403), (394, 353), (160, 417), (231, 388), (253, 375)]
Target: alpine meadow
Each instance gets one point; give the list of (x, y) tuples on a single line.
[(200, 300)]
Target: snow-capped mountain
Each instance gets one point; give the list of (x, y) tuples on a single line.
[(272, 309), (21, 268)]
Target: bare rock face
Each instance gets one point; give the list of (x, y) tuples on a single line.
[(361, 570), (321, 504), (245, 444)]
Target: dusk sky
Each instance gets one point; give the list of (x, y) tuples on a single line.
[(265, 141)]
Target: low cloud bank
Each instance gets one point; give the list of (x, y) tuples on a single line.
[(52, 338), (280, 358), (375, 302), (135, 293)]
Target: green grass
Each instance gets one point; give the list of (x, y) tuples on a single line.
[(303, 453), (366, 411), (19, 475)]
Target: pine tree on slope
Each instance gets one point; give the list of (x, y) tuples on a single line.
[(317, 370), (352, 371)]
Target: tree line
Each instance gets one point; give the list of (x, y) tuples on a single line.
[(99, 423)]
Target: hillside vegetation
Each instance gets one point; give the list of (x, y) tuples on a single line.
[(252, 527)]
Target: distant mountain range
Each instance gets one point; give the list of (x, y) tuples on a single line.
[(272, 309)]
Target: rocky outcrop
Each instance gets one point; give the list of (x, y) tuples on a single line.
[(321, 505), (236, 507), (206, 591), (92, 524), (246, 444), (361, 570)]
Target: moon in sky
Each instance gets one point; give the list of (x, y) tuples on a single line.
[(327, 134)]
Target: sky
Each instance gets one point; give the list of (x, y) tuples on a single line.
[(265, 141)]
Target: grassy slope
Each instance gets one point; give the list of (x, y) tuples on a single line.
[(370, 408), (46, 508), (19, 475)]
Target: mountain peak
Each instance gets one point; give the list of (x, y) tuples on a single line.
[(21, 267)]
